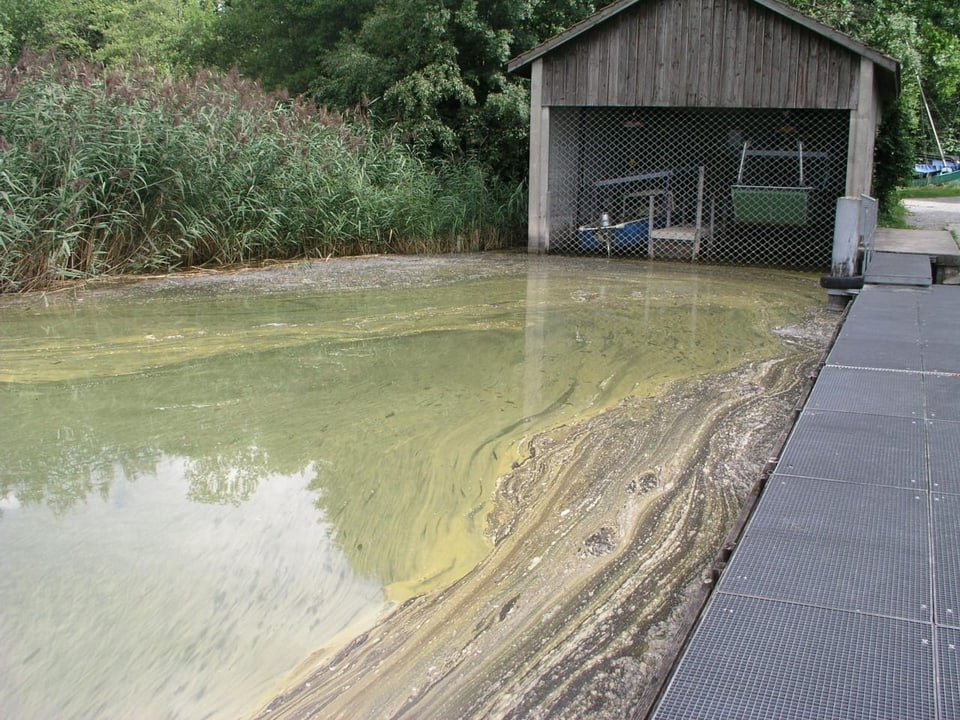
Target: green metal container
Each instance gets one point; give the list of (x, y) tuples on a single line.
[(770, 205)]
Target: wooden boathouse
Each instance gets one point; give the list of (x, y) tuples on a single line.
[(713, 130)]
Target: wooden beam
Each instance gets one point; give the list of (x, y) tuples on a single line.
[(863, 130), (538, 205)]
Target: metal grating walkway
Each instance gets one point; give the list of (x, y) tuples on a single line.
[(887, 268), (842, 599)]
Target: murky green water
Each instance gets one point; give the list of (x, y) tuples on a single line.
[(198, 490)]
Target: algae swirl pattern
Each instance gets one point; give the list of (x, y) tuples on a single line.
[(605, 537)]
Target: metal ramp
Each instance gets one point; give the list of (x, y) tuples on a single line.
[(898, 269), (842, 599)]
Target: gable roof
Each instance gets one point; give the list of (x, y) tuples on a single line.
[(886, 64)]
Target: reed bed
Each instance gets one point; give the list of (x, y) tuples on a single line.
[(105, 172)]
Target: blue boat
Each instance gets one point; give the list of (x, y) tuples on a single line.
[(935, 171), (630, 236)]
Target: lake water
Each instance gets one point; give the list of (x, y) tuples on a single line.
[(198, 489)]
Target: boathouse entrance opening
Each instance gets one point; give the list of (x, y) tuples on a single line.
[(740, 186)]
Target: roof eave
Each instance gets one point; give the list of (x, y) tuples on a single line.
[(840, 38), (522, 63)]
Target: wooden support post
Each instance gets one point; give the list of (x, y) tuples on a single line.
[(864, 119), (650, 226), (699, 227), (538, 205)]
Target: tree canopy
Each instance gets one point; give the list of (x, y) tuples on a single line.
[(435, 69)]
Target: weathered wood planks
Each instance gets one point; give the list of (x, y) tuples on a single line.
[(701, 53)]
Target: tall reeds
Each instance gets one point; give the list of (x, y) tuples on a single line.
[(124, 171)]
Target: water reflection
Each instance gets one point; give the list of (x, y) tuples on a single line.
[(196, 492), (136, 604)]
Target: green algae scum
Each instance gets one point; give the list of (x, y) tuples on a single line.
[(394, 464)]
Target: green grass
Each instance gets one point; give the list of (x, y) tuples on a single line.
[(930, 191), (895, 216), (115, 172)]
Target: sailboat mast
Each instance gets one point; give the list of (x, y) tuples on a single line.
[(933, 127)]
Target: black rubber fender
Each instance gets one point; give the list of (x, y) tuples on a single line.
[(831, 282)]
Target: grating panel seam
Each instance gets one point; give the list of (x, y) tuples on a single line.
[(844, 481), (932, 373), (934, 586), (892, 370), (875, 413), (832, 608)]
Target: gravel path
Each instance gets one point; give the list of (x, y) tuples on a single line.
[(934, 213)]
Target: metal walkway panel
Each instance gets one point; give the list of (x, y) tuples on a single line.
[(762, 659), (941, 397), (938, 305), (943, 439), (937, 321), (894, 315), (941, 355), (836, 545), (899, 269), (887, 297), (842, 598), (948, 652), (869, 391), (877, 352), (871, 449), (935, 244), (946, 532), (905, 326)]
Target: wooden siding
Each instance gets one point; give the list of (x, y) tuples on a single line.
[(701, 53)]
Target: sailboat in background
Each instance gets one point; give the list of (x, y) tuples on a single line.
[(935, 171)]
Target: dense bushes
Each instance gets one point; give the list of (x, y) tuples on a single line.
[(126, 171)]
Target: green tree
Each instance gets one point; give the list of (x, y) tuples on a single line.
[(72, 29), (433, 68), (142, 29), (924, 35), (6, 38), (112, 31), (280, 42)]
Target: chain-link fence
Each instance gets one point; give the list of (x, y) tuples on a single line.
[(755, 187)]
